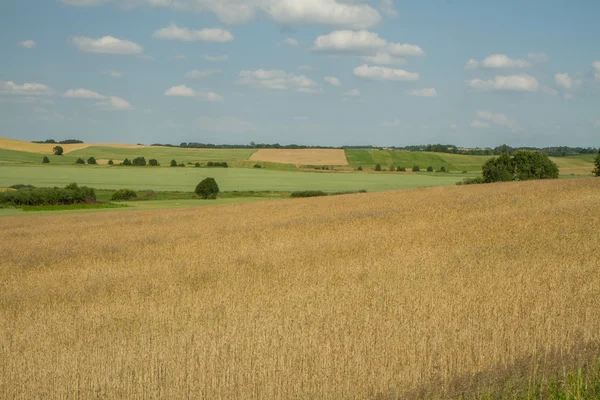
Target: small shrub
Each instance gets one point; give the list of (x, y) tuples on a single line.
[(308, 193), (210, 164), (430, 169), (46, 160), (111, 162), (360, 168), (401, 169), (596, 170), (464, 172), (378, 167), (30, 196), (207, 189), (443, 169), (197, 165), (127, 162), (124, 195), (20, 186), (80, 161), (257, 166), (182, 165), (139, 162), (173, 163), (58, 150), (153, 163), (471, 181), (92, 161), (416, 168)]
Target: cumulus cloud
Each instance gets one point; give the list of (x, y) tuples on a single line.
[(31, 89), (196, 74), (501, 120), (479, 124), (538, 57), (384, 74), (83, 94), (173, 32), (216, 58), (106, 45), (384, 58), (334, 13), (563, 80), (596, 66), (27, 44), (332, 80), (278, 80), (184, 91), (497, 61), (114, 103), (516, 83), (427, 92), (363, 43)]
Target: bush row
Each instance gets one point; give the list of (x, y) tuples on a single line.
[(30, 196)]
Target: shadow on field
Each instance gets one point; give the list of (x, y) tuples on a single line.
[(528, 378)]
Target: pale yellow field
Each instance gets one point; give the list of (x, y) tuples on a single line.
[(342, 297), (301, 156), (46, 148)]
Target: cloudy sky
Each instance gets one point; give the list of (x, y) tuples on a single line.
[(318, 72)]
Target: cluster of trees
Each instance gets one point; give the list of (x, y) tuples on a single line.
[(124, 195), (596, 170), (52, 141), (174, 164), (252, 145), (137, 162), (415, 168), (556, 151), (27, 195)]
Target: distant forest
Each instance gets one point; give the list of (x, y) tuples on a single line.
[(52, 141), (557, 151)]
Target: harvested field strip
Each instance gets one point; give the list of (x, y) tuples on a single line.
[(301, 156), (358, 296)]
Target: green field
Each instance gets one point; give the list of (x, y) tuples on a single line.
[(580, 165), (229, 179), (23, 157), (164, 155)]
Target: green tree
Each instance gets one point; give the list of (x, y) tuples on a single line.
[(378, 167), (139, 161), (57, 150), (80, 161), (533, 165), (360, 168), (499, 169), (173, 163), (596, 170), (443, 169), (46, 160), (430, 169), (207, 189), (111, 162), (416, 168), (153, 163), (92, 161), (126, 162)]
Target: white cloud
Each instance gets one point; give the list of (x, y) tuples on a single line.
[(517, 83), (496, 61), (184, 91), (563, 80), (352, 93), (384, 58), (27, 44), (106, 45), (216, 58), (290, 42), (332, 80), (227, 124), (196, 74), (277, 80), (384, 74), (479, 124), (83, 94), (387, 8), (31, 89), (173, 32), (596, 65), (428, 92), (538, 57), (113, 74), (363, 43), (500, 120), (114, 103)]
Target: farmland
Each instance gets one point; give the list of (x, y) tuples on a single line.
[(428, 291), (302, 156)]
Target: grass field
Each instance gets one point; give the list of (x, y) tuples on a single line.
[(301, 156), (229, 179), (23, 157), (579, 165), (379, 295)]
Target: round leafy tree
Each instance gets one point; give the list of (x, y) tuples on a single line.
[(127, 162), (430, 169), (173, 163), (57, 150), (80, 161), (111, 162), (443, 169), (207, 189), (92, 161), (416, 168), (46, 160), (378, 167), (596, 171)]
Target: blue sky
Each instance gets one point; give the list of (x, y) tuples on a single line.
[(317, 72)]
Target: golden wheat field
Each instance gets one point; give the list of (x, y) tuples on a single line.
[(301, 156), (342, 297)]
